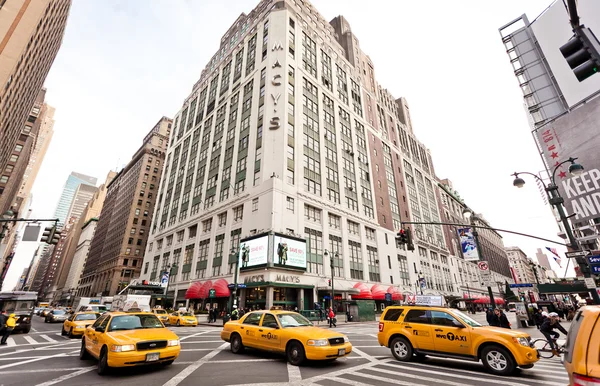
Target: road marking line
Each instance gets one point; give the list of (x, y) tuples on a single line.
[(10, 342), (8, 372), (294, 374), (66, 376), (33, 329), (176, 380), (33, 360), (48, 338), (248, 360), (200, 349), (363, 354), (193, 335), (30, 340)]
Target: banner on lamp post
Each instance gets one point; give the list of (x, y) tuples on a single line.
[(467, 244)]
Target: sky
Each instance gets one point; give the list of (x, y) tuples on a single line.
[(124, 64)]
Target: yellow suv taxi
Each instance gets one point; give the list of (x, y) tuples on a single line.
[(581, 359), (418, 331), (123, 339), (287, 333)]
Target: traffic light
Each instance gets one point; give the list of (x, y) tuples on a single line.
[(402, 237), (48, 235), (582, 53), (329, 282), (409, 240), (55, 237)]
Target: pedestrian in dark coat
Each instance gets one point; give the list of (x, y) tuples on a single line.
[(538, 318), (3, 319), (491, 318), (501, 318)]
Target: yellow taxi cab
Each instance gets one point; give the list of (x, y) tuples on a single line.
[(182, 318), (124, 339), (287, 333), (418, 331), (161, 314), (581, 359), (76, 323)]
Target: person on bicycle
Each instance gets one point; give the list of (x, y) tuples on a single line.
[(547, 328)]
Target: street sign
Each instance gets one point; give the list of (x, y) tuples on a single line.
[(595, 269), (577, 254), (594, 259), (388, 297), (520, 285), (212, 293), (590, 282), (484, 272), (410, 298)]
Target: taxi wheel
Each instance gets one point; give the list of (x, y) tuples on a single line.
[(71, 333), (63, 332), (498, 360), (83, 354), (178, 323), (295, 353), (237, 346), (103, 362), (402, 349)]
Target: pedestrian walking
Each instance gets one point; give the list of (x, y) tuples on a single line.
[(3, 319), (491, 318), (11, 322), (332, 321), (570, 315), (502, 320), (234, 313)]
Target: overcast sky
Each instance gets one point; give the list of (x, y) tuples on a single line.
[(126, 63)]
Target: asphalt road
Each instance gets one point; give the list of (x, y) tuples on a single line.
[(43, 357)]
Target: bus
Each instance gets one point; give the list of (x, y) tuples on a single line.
[(20, 303)]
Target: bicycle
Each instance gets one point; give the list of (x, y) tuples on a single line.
[(545, 350)]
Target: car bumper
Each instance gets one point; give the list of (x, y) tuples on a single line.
[(77, 331), (526, 356), (225, 335), (327, 352), (138, 358), (189, 323)]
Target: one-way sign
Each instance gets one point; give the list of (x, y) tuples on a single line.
[(577, 254)]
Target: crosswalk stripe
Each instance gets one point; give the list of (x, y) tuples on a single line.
[(10, 342), (48, 338), (29, 339), (381, 379)]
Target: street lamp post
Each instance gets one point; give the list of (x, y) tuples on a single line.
[(233, 298), (470, 216), (170, 270), (557, 201), (419, 285), (331, 263)]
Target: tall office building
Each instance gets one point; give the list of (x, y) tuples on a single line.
[(521, 264), (117, 248), (31, 33), (72, 186), (78, 244), (564, 114), (288, 148)]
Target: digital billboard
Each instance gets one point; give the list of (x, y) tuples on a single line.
[(254, 252), (289, 252)]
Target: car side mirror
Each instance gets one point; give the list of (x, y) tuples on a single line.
[(272, 325), (99, 329)]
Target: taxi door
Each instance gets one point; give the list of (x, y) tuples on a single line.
[(269, 333), (249, 329), (173, 317), (449, 334), (94, 339), (69, 324), (417, 324)]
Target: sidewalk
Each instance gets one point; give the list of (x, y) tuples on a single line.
[(512, 318)]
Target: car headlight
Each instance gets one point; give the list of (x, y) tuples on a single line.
[(80, 327), (174, 342), (522, 341), (346, 340), (317, 342), (123, 348)]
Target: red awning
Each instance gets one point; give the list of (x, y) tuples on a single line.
[(221, 288), (396, 294), (482, 300), (365, 292), (499, 301), (203, 291), (378, 292), (193, 291)]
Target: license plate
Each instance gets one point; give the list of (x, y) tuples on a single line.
[(342, 351), (152, 357)]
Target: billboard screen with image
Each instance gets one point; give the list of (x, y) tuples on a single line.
[(289, 252), (254, 252)]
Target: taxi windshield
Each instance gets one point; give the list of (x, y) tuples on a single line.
[(134, 322), (466, 319), (293, 320), (186, 314), (87, 317)]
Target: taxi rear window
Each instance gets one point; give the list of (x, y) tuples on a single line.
[(393, 314)]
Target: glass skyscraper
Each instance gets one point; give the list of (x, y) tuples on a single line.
[(66, 198)]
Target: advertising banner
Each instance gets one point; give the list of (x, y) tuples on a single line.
[(164, 280), (467, 244), (254, 252), (429, 300), (576, 135), (289, 252)]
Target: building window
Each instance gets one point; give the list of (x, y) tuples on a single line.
[(314, 251), (238, 213), (128, 251), (206, 225), (132, 231), (290, 204), (192, 231), (356, 268), (254, 204), (353, 228), (334, 221)]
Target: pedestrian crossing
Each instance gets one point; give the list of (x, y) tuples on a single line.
[(33, 339)]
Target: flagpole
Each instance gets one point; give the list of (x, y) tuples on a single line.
[(567, 268)]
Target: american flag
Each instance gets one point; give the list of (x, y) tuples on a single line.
[(556, 256)]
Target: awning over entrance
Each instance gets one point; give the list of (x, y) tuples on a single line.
[(201, 290), (482, 299), (365, 292), (396, 294), (340, 286), (378, 292)]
